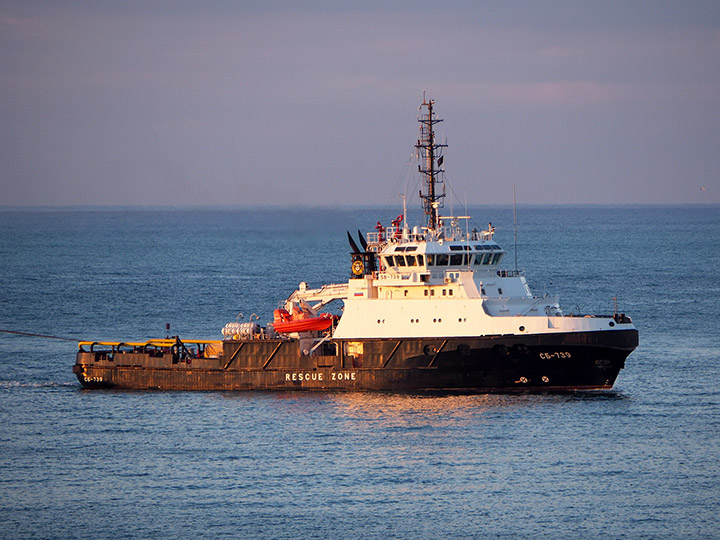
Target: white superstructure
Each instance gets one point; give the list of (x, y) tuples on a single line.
[(440, 280), (426, 286)]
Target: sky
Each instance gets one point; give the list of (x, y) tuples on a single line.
[(233, 103)]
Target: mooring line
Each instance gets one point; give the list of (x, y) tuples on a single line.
[(39, 335)]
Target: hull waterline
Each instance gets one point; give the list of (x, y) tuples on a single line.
[(461, 365)]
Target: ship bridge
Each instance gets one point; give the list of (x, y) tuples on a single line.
[(401, 251), (439, 255)]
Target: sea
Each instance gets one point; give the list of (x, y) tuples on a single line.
[(639, 461)]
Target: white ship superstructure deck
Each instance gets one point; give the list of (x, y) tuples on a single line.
[(441, 280), (452, 286)]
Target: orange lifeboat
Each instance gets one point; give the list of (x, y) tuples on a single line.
[(300, 321)]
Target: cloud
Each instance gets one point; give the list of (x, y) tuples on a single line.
[(94, 97), (532, 94)]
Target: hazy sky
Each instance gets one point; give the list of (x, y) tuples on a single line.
[(315, 103)]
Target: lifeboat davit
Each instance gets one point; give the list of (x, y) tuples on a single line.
[(300, 321)]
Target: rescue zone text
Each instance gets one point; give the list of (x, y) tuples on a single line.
[(319, 376)]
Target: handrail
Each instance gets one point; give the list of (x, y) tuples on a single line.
[(150, 342), (510, 273)]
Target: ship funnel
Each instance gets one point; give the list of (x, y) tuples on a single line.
[(353, 245), (363, 242)]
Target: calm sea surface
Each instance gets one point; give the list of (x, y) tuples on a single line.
[(641, 461)]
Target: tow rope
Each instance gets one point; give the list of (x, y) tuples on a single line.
[(39, 335)]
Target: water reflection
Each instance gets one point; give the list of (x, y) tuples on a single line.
[(430, 407), (394, 408)]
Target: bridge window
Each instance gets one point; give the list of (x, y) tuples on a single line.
[(400, 260), (420, 260), (456, 260), (411, 260), (442, 259), (430, 259)]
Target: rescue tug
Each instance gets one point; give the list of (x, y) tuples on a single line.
[(427, 308)]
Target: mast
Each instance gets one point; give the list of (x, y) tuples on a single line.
[(515, 227), (427, 146)]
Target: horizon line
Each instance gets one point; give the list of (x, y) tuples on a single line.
[(69, 207)]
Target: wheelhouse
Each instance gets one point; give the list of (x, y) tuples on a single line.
[(434, 255)]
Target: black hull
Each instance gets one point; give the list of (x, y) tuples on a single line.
[(527, 363)]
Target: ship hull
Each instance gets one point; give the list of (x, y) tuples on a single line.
[(516, 363)]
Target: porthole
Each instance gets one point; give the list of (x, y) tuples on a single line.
[(522, 329), (612, 323)]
